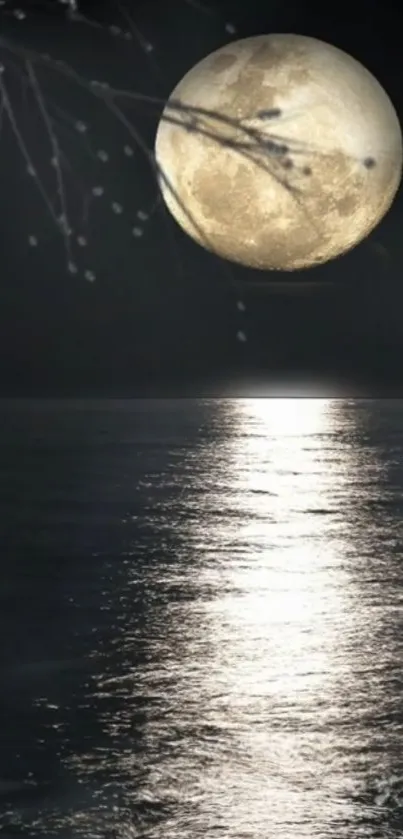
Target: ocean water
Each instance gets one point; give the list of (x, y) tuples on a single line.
[(201, 619)]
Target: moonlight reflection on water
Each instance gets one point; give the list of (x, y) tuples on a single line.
[(228, 659)]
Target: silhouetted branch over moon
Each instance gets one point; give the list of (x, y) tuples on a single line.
[(281, 201)]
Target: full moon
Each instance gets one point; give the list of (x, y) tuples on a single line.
[(278, 152)]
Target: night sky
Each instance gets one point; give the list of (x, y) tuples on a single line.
[(145, 310)]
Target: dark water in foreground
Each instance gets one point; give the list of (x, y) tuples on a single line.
[(201, 616)]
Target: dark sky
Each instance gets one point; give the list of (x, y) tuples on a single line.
[(161, 314)]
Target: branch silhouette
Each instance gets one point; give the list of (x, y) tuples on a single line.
[(252, 138)]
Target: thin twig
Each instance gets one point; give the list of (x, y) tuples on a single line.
[(63, 221)]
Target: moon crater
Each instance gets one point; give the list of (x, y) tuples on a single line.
[(293, 157)]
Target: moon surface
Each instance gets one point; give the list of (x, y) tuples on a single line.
[(278, 152)]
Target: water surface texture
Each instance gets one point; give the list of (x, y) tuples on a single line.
[(201, 617)]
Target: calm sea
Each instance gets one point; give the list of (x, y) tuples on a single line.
[(201, 610)]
